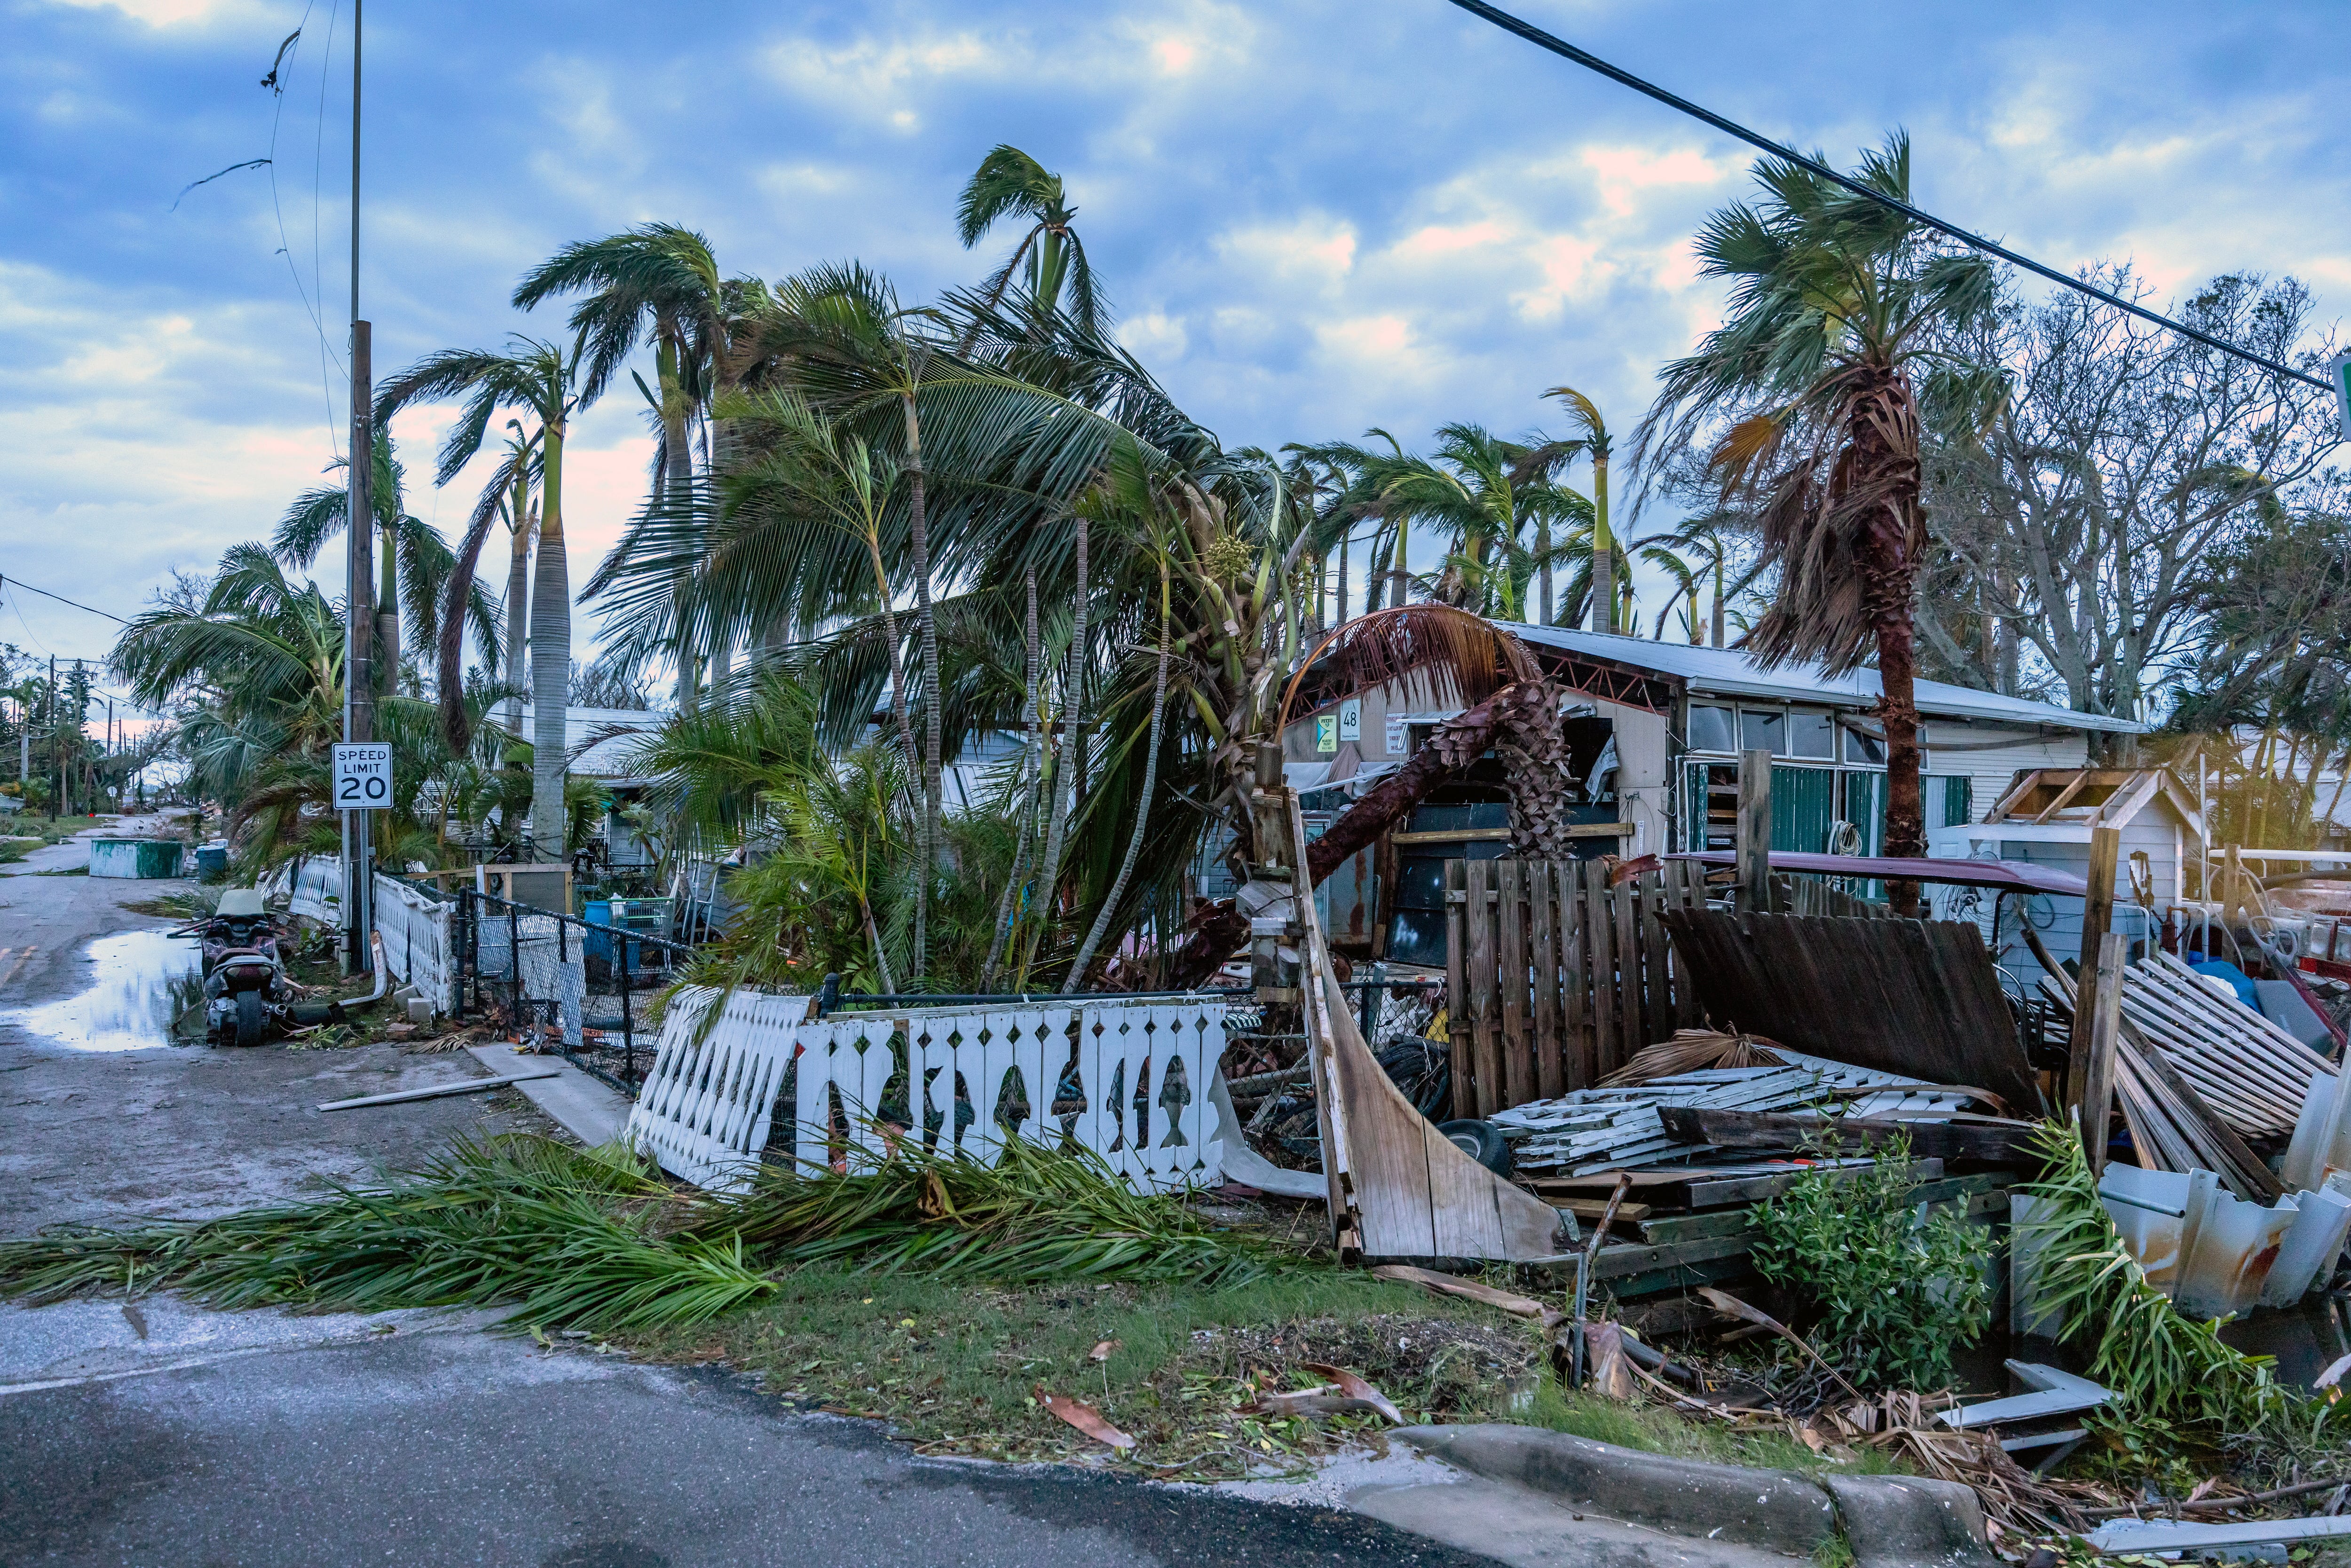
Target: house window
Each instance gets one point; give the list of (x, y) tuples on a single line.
[(1860, 747), (1709, 729), (1763, 729), (1811, 735)]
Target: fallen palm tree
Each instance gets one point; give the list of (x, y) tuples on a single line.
[(563, 1235)]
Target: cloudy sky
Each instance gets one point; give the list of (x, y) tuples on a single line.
[(1313, 216)]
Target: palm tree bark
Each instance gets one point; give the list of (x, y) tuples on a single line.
[(551, 659), (1071, 763), (1603, 550), (517, 604), (1023, 796), (1142, 805), (1884, 433), (935, 689)]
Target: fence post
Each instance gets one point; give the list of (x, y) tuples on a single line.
[(628, 1024), (1755, 831)]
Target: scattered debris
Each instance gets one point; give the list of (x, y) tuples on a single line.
[(468, 1086), (1086, 1419)]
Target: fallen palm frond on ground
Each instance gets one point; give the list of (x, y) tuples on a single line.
[(559, 1234), (587, 1238), (2161, 1366), (1694, 1050), (1035, 1214)]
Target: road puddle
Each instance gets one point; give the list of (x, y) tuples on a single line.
[(143, 980)]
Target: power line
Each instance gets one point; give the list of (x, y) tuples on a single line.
[(1568, 51), (62, 598)]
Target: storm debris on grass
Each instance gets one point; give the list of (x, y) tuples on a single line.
[(954, 1368)]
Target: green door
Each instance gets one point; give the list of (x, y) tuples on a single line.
[(1803, 804), (1864, 808)]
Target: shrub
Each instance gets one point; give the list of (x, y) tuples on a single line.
[(1898, 1291)]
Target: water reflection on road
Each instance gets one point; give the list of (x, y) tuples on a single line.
[(143, 980)]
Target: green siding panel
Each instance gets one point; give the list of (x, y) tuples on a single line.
[(1803, 804)]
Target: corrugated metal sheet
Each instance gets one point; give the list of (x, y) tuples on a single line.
[(1604, 1129), (2218, 1256)]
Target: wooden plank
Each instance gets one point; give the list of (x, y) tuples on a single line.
[(2005, 1142), (1579, 1059), (1657, 977), (1542, 921), (1412, 1193), (1617, 1262), (1600, 960), (1753, 850), (2090, 1067), (2098, 904), (1683, 1277), (1756, 1188), (1484, 1061), (1630, 1026), (1515, 981), (1986, 1192), (1457, 988)]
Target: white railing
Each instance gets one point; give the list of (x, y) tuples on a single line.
[(418, 946), (1129, 1080)]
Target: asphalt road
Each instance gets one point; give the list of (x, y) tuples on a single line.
[(260, 1439), (184, 1131), (165, 1434)]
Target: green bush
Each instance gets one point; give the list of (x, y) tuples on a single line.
[(1897, 1292)]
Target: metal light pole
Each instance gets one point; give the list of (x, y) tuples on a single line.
[(358, 660)]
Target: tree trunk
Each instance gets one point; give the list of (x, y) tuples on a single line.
[(1542, 552), (1398, 576), (1143, 808), (1071, 763), (1717, 593), (1603, 551), (933, 686), (677, 486), (1884, 433), (1023, 796), (518, 600), (550, 661)]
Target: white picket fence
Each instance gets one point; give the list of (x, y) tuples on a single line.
[(418, 947), (317, 891), (1132, 1080)]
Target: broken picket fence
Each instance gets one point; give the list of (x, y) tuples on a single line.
[(1128, 1080)]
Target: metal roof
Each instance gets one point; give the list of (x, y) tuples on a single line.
[(1734, 673)]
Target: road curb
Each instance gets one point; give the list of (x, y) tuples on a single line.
[(1891, 1521)]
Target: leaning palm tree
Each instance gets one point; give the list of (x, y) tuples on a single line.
[(544, 381), (1010, 184), (1592, 439), (1838, 313)]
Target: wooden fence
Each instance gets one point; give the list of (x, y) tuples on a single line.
[(1554, 977)]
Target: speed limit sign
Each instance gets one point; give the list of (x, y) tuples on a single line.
[(362, 777)]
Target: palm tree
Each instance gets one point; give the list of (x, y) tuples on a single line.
[(1838, 303), (1010, 184), (657, 283), (1592, 439), (544, 381), (516, 510)]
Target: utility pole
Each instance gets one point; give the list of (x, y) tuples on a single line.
[(58, 786), (359, 662)]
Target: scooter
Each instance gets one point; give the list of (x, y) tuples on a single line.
[(246, 989)]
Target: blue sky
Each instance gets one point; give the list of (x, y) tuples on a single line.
[(1313, 217)]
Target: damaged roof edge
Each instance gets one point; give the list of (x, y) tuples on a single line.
[(1733, 673)]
